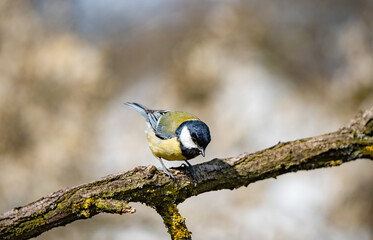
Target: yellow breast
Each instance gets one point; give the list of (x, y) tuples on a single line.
[(168, 149)]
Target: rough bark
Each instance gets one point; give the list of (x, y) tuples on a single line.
[(153, 188)]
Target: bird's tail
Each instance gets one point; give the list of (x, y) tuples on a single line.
[(139, 108)]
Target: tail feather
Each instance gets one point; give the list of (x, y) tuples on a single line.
[(139, 108)]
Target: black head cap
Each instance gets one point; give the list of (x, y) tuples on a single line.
[(200, 135)]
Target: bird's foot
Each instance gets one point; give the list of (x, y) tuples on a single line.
[(193, 172), (166, 172)]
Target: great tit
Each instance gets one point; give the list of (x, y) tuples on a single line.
[(174, 135)]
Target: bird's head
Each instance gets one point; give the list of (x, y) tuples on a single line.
[(194, 136)]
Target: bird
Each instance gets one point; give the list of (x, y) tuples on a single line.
[(174, 135)]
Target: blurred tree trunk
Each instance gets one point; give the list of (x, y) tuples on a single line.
[(147, 185)]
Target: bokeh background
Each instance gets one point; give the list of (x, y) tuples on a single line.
[(257, 72)]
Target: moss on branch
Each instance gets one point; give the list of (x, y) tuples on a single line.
[(174, 222)]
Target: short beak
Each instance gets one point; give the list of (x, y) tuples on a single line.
[(202, 151)]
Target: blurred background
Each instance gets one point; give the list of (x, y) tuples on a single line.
[(257, 72)]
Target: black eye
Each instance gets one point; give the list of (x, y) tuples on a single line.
[(194, 137)]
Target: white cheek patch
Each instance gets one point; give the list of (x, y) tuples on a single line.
[(186, 139)]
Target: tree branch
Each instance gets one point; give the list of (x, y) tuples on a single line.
[(153, 188)]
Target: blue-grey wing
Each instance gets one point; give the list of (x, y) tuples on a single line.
[(154, 120)]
